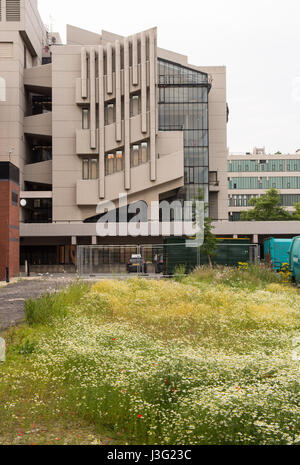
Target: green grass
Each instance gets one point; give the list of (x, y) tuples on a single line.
[(207, 360)]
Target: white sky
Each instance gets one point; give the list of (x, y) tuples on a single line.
[(258, 41)]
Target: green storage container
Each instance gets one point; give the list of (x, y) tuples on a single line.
[(230, 252)]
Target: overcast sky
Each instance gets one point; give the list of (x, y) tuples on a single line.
[(258, 41)]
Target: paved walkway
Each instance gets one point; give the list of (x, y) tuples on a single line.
[(13, 296)]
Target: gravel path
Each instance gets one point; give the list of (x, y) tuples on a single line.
[(12, 297)]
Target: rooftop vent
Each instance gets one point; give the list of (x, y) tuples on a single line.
[(13, 11)]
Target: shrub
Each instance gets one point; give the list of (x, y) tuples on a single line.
[(179, 272)]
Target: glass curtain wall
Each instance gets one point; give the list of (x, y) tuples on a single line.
[(183, 106)]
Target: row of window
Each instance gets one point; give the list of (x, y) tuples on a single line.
[(286, 182), (287, 200), (263, 165), (196, 175), (195, 156), (184, 116), (114, 161), (110, 112), (171, 73), (183, 94)]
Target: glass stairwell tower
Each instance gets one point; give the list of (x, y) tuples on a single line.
[(183, 106)]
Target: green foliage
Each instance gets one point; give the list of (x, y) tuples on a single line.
[(266, 208), (52, 306), (209, 247), (248, 276), (27, 348), (179, 272), (206, 361), (296, 214)]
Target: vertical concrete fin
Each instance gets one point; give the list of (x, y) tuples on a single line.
[(84, 90), (135, 79), (101, 123), (153, 102), (109, 69), (93, 97), (127, 115), (144, 81), (118, 93)]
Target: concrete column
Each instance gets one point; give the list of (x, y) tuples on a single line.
[(84, 90), (144, 81), (101, 124), (135, 79), (153, 105), (127, 114), (109, 69), (118, 93), (93, 97)]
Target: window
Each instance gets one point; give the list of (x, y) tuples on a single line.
[(85, 118), (183, 107), (110, 163), (135, 105), (90, 168), (13, 12), (119, 161), (135, 151), (144, 148), (109, 114), (94, 168), (114, 162), (85, 168)]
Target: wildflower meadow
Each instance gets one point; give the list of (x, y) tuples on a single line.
[(205, 359)]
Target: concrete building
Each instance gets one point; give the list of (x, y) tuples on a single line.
[(252, 175), (83, 122)]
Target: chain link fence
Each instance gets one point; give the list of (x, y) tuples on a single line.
[(155, 260)]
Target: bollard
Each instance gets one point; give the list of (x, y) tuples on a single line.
[(2, 350), (7, 274)]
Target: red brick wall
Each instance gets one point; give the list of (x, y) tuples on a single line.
[(9, 230)]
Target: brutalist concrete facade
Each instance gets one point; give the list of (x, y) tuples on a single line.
[(82, 122)]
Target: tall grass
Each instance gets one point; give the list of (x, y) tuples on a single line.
[(253, 277), (52, 306), (203, 361)]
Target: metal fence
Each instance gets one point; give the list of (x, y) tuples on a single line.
[(157, 259)]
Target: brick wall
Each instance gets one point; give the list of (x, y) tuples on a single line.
[(9, 228)]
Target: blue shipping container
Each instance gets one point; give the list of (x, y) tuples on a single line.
[(294, 259), (277, 252)]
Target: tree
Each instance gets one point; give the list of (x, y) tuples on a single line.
[(210, 243), (267, 208), (296, 214)]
